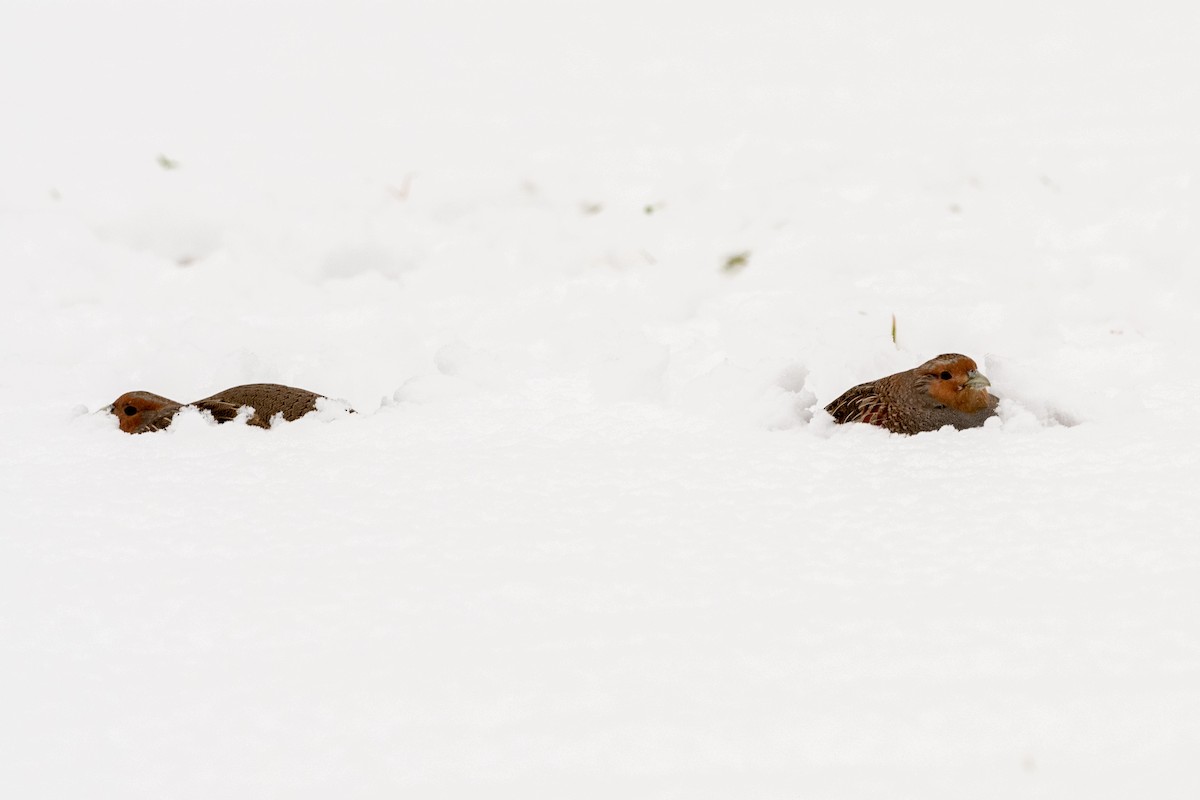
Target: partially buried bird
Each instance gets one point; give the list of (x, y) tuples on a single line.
[(141, 412), (947, 390)]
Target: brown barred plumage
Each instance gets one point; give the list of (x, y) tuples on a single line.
[(947, 390), (142, 412)]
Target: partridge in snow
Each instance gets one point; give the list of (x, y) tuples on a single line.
[(947, 390), (140, 412)]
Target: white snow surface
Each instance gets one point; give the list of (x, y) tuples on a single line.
[(590, 533)]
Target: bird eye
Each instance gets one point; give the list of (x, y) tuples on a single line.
[(129, 411), (945, 376)]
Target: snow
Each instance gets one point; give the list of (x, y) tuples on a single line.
[(590, 533)]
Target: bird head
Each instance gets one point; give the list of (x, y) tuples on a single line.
[(140, 412), (954, 381)]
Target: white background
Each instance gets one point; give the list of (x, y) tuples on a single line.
[(589, 533)]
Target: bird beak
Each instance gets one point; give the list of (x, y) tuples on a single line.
[(977, 380)]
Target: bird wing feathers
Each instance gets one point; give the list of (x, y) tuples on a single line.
[(861, 403)]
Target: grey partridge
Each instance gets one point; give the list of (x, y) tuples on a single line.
[(141, 412), (947, 390)]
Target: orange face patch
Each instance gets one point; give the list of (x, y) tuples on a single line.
[(948, 385), (133, 409)]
